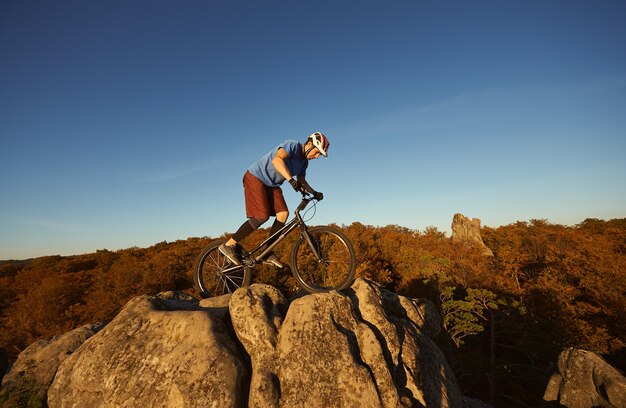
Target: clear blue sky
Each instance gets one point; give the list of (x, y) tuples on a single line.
[(126, 123)]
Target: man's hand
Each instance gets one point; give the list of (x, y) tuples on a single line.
[(318, 196), (295, 184)]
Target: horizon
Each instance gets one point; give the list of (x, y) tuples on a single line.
[(447, 234), (129, 124)]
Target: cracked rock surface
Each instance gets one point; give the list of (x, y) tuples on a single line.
[(165, 350), (585, 380), (361, 347)]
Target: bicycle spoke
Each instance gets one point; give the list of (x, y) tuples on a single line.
[(231, 279), (215, 261), (225, 286), (215, 275)]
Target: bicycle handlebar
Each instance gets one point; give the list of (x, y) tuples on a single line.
[(306, 199)]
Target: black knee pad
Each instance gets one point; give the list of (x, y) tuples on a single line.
[(257, 222)]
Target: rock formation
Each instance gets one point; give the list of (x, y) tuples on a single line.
[(466, 230), (362, 347), (585, 380), (34, 370), (167, 350)]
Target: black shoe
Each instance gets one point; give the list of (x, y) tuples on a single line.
[(231, 253)]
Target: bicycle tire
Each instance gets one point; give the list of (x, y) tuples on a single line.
[(335, 271), (208, 276)]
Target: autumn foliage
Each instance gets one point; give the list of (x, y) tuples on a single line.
[(505, 318)]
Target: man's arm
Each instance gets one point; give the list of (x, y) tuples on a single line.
[(306, 185), (279, 163)]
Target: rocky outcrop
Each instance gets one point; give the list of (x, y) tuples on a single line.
[(167, 350), (356, 349), (585, 380), (257, 313), (34, 370), (362, 347), (468, 231)]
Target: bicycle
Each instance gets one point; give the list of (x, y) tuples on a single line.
[(322, 259)]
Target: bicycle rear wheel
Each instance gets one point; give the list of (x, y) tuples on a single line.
[(215, 275), (325, 263)]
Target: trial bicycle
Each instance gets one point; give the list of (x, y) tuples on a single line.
[(322, 259)]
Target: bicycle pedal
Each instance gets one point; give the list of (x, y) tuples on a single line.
[(274, 261)]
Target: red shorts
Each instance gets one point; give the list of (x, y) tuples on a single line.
[(262, 201)]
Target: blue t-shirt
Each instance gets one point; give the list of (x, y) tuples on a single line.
[(264, 170)]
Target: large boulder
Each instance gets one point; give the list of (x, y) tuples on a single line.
[(366, 347), (319, 359), (468, 231), (165, 350), (257, 314), (28, 381), (585, 380)]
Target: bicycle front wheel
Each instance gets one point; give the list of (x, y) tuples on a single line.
[(323, 259), (215, 275)]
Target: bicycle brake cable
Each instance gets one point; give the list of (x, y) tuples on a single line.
[(314, 208)]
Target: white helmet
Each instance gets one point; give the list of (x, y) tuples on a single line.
[(321, 142)]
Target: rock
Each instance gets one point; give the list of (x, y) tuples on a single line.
[(402, 327), (365, 348), (420, 312), (362, 347), (585, 380), (159, 351), (320, 362), (257, 314), (468, 231), (34, 370)]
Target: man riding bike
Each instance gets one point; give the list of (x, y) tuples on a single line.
[(263, 195)]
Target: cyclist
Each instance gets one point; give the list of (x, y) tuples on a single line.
[(263, 195)]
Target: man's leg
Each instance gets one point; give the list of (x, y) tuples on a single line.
[(282, 216), (247, 228), (257, 210), (279, 222)]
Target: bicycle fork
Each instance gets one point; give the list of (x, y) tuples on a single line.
[(311, 244)]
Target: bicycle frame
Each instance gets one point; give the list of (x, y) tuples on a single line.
[(251, 260)]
